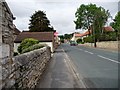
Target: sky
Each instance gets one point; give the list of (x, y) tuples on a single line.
[(61, 13)]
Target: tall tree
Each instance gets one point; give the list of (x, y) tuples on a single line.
[(116, 24), (39, 22), (91, 17)]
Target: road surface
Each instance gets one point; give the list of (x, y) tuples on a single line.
[(97, 68)]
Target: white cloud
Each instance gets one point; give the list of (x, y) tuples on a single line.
[(61, 13)]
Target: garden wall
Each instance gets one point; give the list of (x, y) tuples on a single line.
[(112, 45), (24, 71)]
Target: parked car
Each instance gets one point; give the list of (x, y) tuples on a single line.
[(73, 43)]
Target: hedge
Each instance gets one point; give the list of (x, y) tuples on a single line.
[(31, 48)]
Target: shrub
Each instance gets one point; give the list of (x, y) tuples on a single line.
[(27, 43), (62, 40), (15, 54), (88, 39), (108, 37), (31, 48), (82, 42), (79, 40)]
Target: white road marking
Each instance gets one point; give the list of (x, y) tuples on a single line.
[(81, 49), (108, 59), (89, 52)]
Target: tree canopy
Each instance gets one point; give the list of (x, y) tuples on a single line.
[(86, 15), (116, 23), (91, 17), (39, 22)]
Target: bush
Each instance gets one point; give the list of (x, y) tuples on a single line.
[(15, 54), (108, 37), (79, 40), (62, 40), (26, 43), (31, 48), (82, 42), (88, 39)]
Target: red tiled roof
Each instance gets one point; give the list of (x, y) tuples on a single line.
[(82, 34), (78, 35), (16, 31), (41, 36), (108, 29)]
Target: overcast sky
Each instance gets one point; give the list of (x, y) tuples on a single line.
[(61, 13)]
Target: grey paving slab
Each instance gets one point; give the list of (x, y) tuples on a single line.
[(57, 74)]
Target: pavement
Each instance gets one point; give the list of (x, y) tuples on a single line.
[(60, 73)]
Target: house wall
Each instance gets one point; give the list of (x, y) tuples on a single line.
[(50, 44), (16, 46)]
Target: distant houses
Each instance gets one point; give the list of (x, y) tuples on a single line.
[(78, 35)]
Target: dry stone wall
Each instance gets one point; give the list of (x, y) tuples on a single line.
[(112, 45), (24, 71)]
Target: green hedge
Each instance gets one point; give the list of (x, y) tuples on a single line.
[(27, 43), (89, 39), (108, 37), (31, 48), (79, 40)]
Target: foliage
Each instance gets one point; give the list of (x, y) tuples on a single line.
[(62, 40), (15, 54), (116, 24), (68, 36), (39, 22), (31, 48), (79, 40), (92, 18), (27, 43), (86, 15), (61, 36), (65, 36), (82, 43), (111, 36), (89, 39)]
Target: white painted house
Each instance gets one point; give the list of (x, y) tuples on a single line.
[(43, 37)]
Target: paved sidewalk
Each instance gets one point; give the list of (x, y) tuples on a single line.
[(58, 73)]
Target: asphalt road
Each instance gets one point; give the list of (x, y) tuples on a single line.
[(97, 68)]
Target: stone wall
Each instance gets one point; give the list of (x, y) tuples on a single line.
[(108, 45), (6, 38), (112, 45), (23, 71)]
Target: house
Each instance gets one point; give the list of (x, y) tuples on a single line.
[(15, 32), (78, 35), (43, 37), (57, 39)]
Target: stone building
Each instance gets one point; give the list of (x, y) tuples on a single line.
[(6, 39)]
